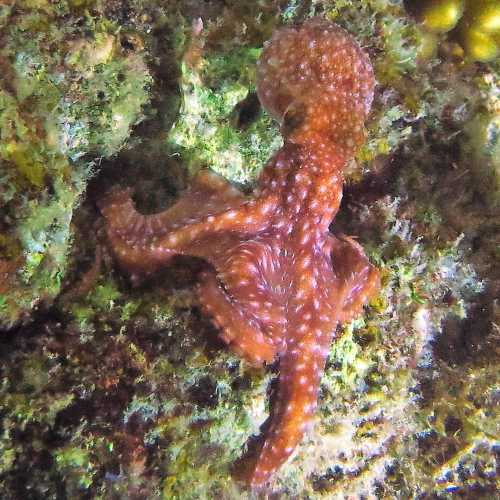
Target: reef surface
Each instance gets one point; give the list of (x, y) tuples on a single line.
[(111, 388)]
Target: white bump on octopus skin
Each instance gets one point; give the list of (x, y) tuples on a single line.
[(252, 269), (314, 204), (305, 426), (309, 408), (257, 471), (302, 194), (302, 328), (265, 317), (316, 348), (300, 294), (275, 450), (305, 237)]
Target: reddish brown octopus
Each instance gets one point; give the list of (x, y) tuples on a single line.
[(278, 282)]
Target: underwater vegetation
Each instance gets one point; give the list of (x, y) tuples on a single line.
[(111, 388), (475, 25), (69, 96)]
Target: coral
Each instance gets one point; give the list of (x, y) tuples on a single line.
[(482, 148)]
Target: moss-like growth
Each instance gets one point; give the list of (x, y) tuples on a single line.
[(70, 95), (126, 392), (212, 130)]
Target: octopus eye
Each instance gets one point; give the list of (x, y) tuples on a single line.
[(293, 118)]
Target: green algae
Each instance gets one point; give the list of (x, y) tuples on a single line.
[(124, 391), (70, 95), (206, 135)]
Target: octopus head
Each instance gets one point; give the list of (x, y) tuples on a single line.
[(318, 83)]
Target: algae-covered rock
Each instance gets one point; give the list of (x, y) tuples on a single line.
[(482, 148), (118, 391), (69, 96), (210, 131), (220, 124)]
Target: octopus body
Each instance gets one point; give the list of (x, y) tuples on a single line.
[(278, 282)]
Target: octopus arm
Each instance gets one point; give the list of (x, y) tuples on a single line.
[(242, 333), (208, 193), (359, 280), (292, 412), (210, 207)]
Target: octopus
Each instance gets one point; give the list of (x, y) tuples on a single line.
[(277, 282)]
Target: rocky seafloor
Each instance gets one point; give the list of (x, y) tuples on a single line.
[(115, 390)]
